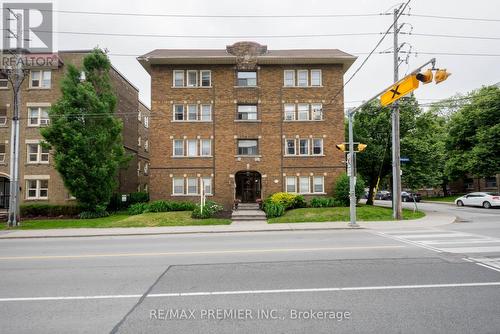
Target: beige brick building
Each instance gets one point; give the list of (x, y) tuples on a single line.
[(39, 181), (246, 121)]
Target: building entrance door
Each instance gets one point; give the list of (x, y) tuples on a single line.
[(248, 186)]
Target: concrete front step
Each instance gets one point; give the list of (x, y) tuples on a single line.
[(249, 222), (248, 206), (248, 213)]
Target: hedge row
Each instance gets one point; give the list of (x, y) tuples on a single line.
[(49, 210), (160, 206)]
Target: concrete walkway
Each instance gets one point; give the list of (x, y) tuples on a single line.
[(432, 219)]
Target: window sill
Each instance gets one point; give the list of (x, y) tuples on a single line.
[(176, 121), (303, 86), (195, 157), (303, 155), (37, 163), (181, 87), (188, 195), (37, 126), (302, 120), (37, 199), (248, 156), (246, 87), (247, 120), (39, 88)]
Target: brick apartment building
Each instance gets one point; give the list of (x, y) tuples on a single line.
[(247, 121), (39, 181)]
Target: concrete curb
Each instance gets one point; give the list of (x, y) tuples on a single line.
[(432, 219)]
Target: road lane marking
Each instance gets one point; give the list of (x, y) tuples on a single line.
[(435, 235), (459, 241), (462, 250), (242, 251), (258, 292)]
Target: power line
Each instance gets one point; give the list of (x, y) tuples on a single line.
[(450, 36), (207, 36), (454, 17)]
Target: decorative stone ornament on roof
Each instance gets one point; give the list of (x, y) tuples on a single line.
[(246, 53)]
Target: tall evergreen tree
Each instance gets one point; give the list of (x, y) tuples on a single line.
[(86, 136)]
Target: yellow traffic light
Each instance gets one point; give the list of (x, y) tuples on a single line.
[(361, 147), (441, 75), (341, 147), (425, 77)]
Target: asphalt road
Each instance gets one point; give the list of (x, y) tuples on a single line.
[(439, 280)]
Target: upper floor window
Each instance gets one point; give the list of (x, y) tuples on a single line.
[(289, 78), (247, 79), (4, 83), (40, 78), (139, 141), (37, 154), (247, 112), (139, 115), (146, 145), (146, 168), (193, 112), (302, 78), (146, 122), (303, 112), (38, 116), (248, 147), (192, 78), (316, 78), (192, 147), (3, 116), (303, 147)]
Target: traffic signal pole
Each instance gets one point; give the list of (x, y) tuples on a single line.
[(396, 164)]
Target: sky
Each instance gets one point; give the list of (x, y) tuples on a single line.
[(469, 72)]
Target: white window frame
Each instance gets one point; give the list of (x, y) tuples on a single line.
[(173, 147), (139, 141), (247, 155), (287, 111), (38, 189), (307, 147), (315, 111), (189, 109), (205, 141), (174, 80), (285, 78), (256, 113), (195, 183), (294, 147), (246, 79), (146, 122), (298, 78), (209, 113), (320, 78), (139, 116), (301, 112), (312, 146), (308, 185), (138, 167), (41, 80), (207, 183), (209, 78), (188, 81), (174, 112), (322, 178), (146, 145), (40, 121), (287, 183), (2, 85), (146, 168), (174, 179), (41, 156), (189, 152)]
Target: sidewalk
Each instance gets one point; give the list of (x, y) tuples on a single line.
[(432, 219)]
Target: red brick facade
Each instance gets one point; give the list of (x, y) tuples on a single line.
[(225, 165)]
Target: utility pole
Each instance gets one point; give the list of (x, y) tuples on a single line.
[(17, 77), (396, 164)]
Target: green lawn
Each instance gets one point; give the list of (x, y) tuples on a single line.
[(341, 214), (177, 218), (450, 199)]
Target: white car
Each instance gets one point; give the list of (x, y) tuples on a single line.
[(486, 200)]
